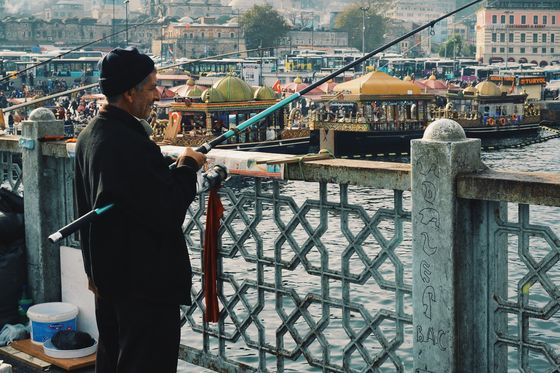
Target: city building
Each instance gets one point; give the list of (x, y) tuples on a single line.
[(185, 39), (519, 31), (421, 12)]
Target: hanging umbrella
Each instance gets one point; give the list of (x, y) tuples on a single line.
[(165, 92)]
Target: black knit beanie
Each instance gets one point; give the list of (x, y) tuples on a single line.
[(122, 69)]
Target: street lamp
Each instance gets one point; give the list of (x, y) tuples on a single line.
[(113, 26), (364, 9), (507, 36), (126, 21), (161, 46)]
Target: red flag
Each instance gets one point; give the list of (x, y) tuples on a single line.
[(276, 87), (512, 89), (214, 213)]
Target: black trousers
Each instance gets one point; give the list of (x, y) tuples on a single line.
[(136, 336)]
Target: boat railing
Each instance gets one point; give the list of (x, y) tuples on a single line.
[(345, 265)]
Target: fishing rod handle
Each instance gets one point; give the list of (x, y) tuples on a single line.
[(77, 224)]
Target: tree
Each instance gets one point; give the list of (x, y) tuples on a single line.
[(453, 47), (351, 20), (262, 26)]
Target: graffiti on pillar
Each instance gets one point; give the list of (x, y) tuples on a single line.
[(428, 297), (429, 190), (429, 215), (428, 249), (438, 338), (425, 271), (427, 167)]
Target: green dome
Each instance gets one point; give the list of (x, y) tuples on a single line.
[(233, 89), (194, 92), (264, 93), (212, 95)]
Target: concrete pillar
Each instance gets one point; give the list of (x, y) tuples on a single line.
[(436, 159), (43, 205)]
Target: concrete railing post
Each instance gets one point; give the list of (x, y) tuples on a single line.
[(43, 205), (439, 245)]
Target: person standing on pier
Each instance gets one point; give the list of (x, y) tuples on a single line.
[(135, 256)]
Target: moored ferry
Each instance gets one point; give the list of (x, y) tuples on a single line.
[(379, 114)]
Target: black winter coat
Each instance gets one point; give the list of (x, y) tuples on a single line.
[(137, 248)]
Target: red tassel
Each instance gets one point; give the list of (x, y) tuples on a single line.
[(214, 213)]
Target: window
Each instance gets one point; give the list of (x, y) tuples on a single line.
[(219, 34), (552, 38), (202, 35), (544, 20), (510, 50), (494, 37), (523, 38), (502, 19), (553, 20), (231, 35), (494, 19), (510, 37), (535, 50), (522, 50), (544, 38), (535, 38), (502, 50), (535, 20), (493, 49), (551, 50), (511, 20), (502, 37), (544, 50), (523, 20)]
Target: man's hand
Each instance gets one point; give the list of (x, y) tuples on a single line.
[(200, 158)]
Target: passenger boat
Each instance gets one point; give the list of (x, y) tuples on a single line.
[(378, 114), (206, 113)]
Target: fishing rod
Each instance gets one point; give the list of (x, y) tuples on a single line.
[(73, 50), (206, 147)]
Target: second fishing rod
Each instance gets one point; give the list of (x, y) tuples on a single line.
[(206, 147)]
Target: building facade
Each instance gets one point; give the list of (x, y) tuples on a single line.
[(422, 12), (519, 31), (180, 39)]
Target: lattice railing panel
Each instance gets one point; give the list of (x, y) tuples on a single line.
[(533, 301), (11, 175), (310, 281)]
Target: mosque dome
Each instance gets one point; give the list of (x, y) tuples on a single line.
[(432, 77), (212, 95), (264, 93), (487, 88), (407, 78), (234, 89)]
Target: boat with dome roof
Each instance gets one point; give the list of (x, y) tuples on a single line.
[(203, 114), (378, 114)]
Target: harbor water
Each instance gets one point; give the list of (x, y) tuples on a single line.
[(543, 157)]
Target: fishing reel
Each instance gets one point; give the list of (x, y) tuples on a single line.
[(213, 177)]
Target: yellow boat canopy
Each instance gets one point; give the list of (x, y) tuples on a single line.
[(377, 83)]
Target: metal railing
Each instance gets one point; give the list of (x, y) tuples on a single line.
[(317, 273)]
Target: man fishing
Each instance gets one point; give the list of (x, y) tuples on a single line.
[(136, 257)]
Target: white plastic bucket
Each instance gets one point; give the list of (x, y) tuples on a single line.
[(49, 318)]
